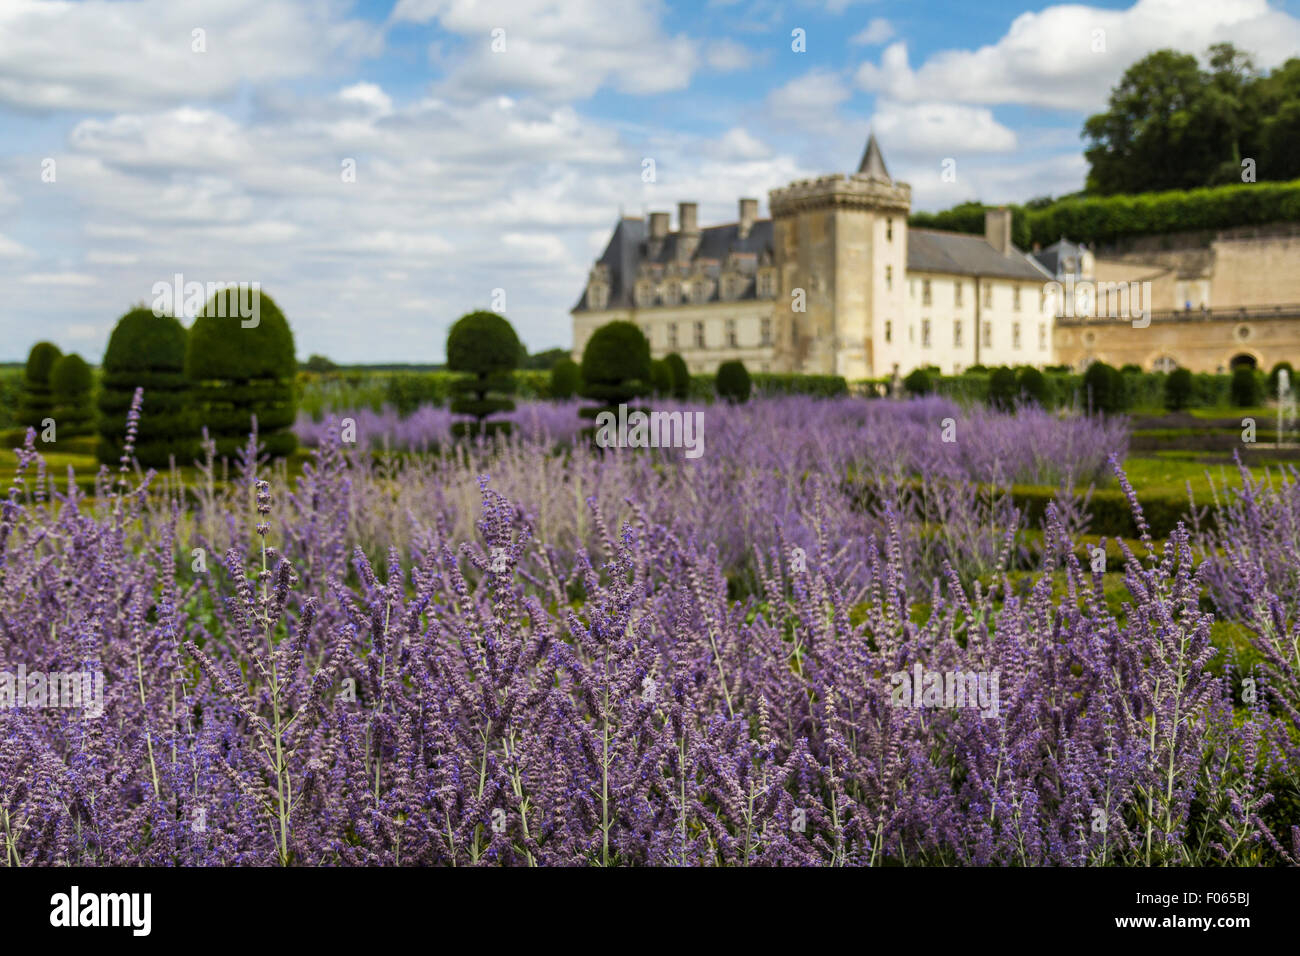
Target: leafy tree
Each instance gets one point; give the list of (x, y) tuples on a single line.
[(319, 363), (71, 384), (1002, 388), (681, 375), (918, 382), (241, 371), (1032, 384), (1245, 389), (1178, 389), (1103, 387), (484, 346), (546, 360), (615, 366), (733, 382), (566, 378), (147, 351), (37, 401)]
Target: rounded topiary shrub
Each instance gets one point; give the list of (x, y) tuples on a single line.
[(680, 373), (1002, 388), (661, 378), (1246, 389), (566, 379), (615, 367), (241, 369), (147, 351), (484, 347), (1103, 388), (918, 382), (38, 401), (733, 382), (1032, 385), (1178, 389), (71, 383)]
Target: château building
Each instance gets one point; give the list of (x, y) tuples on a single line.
[(835, 282)]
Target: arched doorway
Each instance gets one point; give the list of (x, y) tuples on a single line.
[(1243, 360)]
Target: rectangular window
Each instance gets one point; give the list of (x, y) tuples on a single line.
[(889, 330), (731, 333), (956, 333), (988, 297), (672, 334), (1042, 336), (925, 333), (987, 335), (1015, 335), (1015, 297), (925, 291), (956, 293), (889, 230), (766, 329), (889, 277), (699, 335)]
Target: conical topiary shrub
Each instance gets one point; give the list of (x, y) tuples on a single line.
[(147, 351), (38, 401), (243, 368), (72, 384)]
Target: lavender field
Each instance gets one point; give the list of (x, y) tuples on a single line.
[(529, 651)]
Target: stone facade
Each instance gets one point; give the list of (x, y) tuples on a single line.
[(834, 283), (1217, 300)]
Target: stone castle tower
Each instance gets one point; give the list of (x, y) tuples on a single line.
[(840, 247)]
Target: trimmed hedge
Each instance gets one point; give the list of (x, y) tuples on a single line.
[(239, 373), (566, 379), (791, 383), (1108, 218)]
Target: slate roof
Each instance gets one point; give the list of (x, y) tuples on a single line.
[(629, 247), (1055, 256), (959, 253)]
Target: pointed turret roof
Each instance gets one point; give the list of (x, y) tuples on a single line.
[(873, 163)]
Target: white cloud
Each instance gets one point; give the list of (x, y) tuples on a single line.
[(808, 100), (874, 33), (9, 249), (558, 49), (1047, 59), (59, 279), (112, 258), (940, 129), (100, 55), (727, 56)]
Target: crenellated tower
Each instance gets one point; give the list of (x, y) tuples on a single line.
[(842, 240)]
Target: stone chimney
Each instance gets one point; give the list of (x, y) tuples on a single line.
[(658, 225), (997, 228), (748, 213), (687, 223), (688, 231)]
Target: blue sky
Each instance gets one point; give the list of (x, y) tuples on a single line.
[(479, 170)]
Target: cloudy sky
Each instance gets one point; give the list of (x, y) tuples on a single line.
[(133, 148)]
